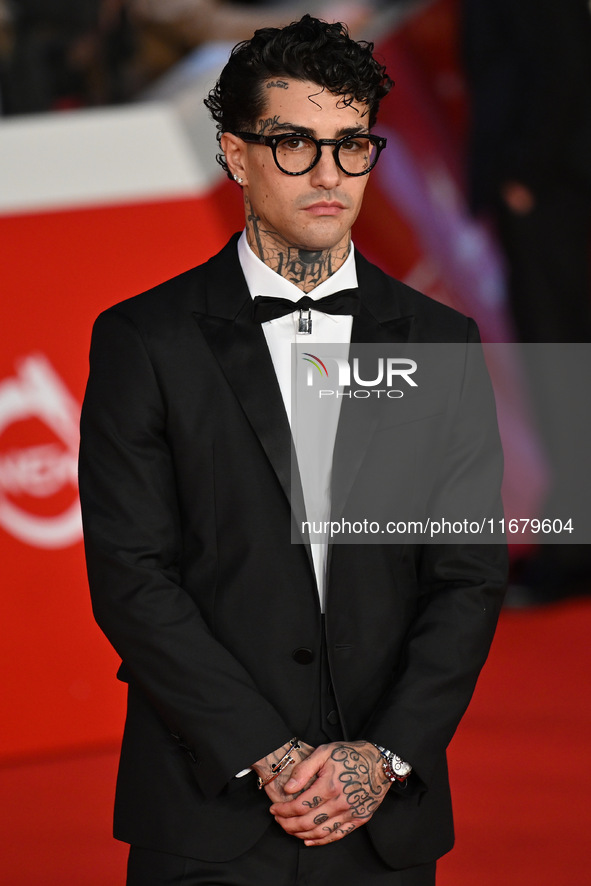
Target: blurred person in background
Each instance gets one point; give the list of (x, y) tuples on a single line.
[(198, 21), (234, 639), (167, 32), (61, 55), (528, 68)]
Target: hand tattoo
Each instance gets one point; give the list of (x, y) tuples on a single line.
[(313, 803), (362, 791), (275, 788), (337, 828), (351, 784)]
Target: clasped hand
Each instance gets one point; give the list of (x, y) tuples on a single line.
[(334, 790)]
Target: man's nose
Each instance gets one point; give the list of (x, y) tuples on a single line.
[(326, 173)]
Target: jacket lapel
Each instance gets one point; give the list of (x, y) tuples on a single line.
[(239, 346)]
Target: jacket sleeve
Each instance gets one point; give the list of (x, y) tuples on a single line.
[(133, 542)]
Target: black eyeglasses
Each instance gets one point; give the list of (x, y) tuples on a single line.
[(296, 153)]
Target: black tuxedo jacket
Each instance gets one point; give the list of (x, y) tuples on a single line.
[(185, 486)]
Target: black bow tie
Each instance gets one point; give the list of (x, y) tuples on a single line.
[(268, 308)]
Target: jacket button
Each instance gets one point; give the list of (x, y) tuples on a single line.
[(333, 718), (303, 655)]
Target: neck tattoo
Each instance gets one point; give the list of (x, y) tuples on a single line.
[(305, 268)]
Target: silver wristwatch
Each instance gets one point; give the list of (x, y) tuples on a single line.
[(395, 768)]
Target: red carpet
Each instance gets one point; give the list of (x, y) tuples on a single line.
[(520, 760), (520, 773)]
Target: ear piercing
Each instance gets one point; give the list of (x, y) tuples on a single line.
[(237, 179)]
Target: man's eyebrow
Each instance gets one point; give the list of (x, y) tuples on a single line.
[(307, 130), (353, 130)]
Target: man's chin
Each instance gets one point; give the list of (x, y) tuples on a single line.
[(323, 240)]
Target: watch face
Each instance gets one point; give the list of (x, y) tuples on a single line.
[(398, 767)]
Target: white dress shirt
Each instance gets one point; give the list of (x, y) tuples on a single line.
[(280, 334)]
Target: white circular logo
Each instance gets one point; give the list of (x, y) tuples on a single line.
[(38, 473)]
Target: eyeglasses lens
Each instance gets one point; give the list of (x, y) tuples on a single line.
[(298, 154)]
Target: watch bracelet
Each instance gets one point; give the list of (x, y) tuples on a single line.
[(391, 762)]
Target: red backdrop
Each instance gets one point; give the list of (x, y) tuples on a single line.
[(60, 268)]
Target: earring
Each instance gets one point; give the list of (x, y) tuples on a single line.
[(237, 179)]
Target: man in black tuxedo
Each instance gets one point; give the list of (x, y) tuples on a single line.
[(332, 675)]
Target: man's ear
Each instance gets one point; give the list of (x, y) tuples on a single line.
[(235, 152)]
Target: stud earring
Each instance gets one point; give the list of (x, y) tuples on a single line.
[(237, 179)]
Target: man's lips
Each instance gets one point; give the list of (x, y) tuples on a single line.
[(324, 207)]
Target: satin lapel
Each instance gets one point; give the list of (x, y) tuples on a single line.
[(239, 346), (358, 420)]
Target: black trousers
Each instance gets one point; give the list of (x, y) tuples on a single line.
[(279, 860)]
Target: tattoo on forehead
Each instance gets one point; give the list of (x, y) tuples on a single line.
[(280, 84), (268, 123), (345, 101), (311, 97)]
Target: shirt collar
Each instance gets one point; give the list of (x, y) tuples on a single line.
[(261, 280)]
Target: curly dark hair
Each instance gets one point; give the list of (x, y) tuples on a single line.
[(309, 49)]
